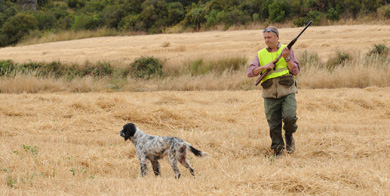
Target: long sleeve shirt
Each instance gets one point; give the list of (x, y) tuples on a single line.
[(256, 63)]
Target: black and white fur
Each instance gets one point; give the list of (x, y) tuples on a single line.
[(156, 147)]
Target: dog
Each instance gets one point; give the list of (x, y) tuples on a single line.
[(156, 147)]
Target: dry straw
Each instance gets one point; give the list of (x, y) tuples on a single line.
[(69, 143)]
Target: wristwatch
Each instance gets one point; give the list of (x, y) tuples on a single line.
[(288, 59)]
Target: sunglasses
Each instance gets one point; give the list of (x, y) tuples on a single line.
[(270, 30)]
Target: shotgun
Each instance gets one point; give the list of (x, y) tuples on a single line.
[(280, 56)]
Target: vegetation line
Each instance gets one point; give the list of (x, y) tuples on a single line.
[(151, 74), (31, 22)]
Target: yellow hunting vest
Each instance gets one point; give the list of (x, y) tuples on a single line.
[(266, 57)]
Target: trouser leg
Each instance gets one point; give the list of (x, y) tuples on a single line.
[(289, 114), (273, 112)]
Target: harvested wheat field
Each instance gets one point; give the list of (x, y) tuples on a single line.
[(69, 144), (176, 48), (65, 143)]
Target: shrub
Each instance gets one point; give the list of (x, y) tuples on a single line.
[(29, 67), (86, 22), (379, 49), (52, 69), (6, 67), (384, 12), (340, 58), (146, 67), (101, 69), (18, 26), (333, 14), (198, 67), (278, 11)]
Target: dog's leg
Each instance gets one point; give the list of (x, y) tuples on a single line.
[(187, 165), (173, 161), (182, 157), (144, 167), (156, 167)]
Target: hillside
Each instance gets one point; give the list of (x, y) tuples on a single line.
[(175, 48)]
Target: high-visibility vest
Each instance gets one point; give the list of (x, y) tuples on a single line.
[(266, 57)]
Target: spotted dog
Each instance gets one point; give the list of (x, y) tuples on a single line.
[(156, 147)]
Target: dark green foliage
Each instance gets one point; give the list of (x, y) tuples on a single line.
[(333, 14), (89, 22), (132, 23), (76, 3), (196, 16), (146, 67), (52, 69), (30, 67), (6, 67), (112, 15), (339, 59), (155, 16), (18, 26), (379, 49), (101, 69), (279, 10)]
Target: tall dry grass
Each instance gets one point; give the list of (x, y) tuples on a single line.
[(47, 37), (356, 71), (69, 144)]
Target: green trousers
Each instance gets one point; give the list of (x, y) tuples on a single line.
[(281, 111)]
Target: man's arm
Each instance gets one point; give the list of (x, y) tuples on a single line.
[(293, 64), (254, 68)]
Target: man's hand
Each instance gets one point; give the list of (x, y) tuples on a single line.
[(270, 65), (285, 53)]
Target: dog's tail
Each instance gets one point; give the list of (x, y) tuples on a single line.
[(197, 152)]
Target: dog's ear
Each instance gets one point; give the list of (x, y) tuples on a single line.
[(129, 130)]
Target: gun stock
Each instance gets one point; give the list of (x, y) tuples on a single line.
[(289, 46)]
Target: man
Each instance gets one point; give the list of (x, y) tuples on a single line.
[(279, 89)]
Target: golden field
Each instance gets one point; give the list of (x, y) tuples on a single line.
[(55, 142), (69, 143)]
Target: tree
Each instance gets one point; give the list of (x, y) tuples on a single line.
[(18, 26)]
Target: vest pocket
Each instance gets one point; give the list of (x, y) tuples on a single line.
[(286, 80), (268, 83)]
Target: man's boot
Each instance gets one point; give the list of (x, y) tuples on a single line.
[(290, 143), (278, 151)]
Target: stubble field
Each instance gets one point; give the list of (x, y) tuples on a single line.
[(68, 143)]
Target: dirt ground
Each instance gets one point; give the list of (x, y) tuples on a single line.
[(175, 48)]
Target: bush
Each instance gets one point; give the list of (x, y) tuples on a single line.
[(76, 3), (278, 11), (101, 69), (333, 14), (54, 68), (18, 26), (146, 67), (340, 58), (86, 22), (384, 12), (6, 67), (131, 23), (379, 49), (29, 67)]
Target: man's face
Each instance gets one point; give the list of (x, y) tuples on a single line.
[(271, 39)]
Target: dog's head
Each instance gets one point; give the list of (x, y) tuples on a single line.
[(128, 131)]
